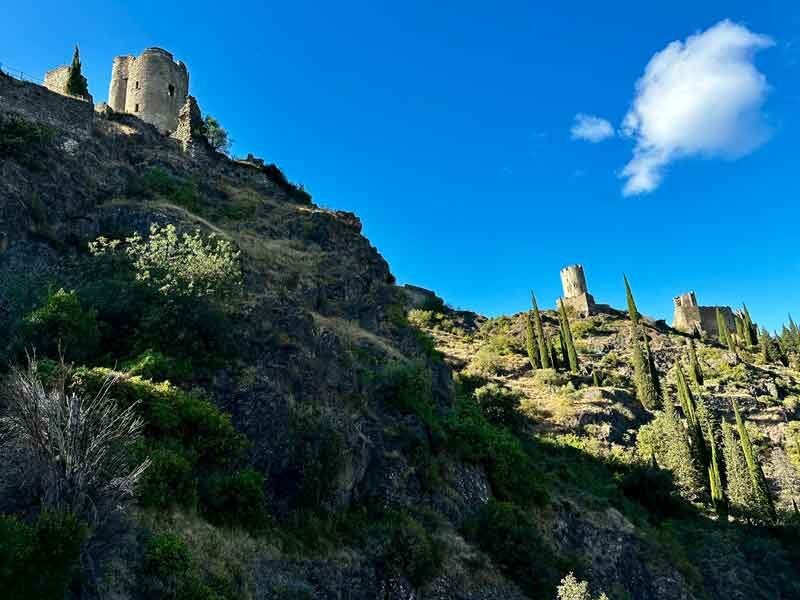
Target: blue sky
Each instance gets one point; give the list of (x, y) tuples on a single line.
[(446, 127)]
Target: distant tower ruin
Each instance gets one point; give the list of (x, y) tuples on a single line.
[(701, 320), (152, 86), (576, 297)]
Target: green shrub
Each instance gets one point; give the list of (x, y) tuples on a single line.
[(511, 470), (315, 460), (62, 323), (170, 479), (41, 560), (235, 499), (157, 366), (413, 552), (22, 140), (406, 386), (156, 182), (507, 533), (500, 406)]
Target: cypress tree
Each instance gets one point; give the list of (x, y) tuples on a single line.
[(633, 312), (564, 358), (551, 349), (694, 428), (765, 344), (595, 378), (722, 326), (764, 506), (750, 329), (645, 390), (566, 331), (651, 366), (739, 326), (544, 352), (695, 372), (530, 342), (715, 479), (76, 83), (739, 490), (675, 453)]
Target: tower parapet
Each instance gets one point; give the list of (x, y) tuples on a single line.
[(689, 317), (152, 86), (576, 295)]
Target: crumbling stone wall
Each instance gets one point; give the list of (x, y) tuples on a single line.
[(153, 86), (56, 79), (36, 103), (691, 318)]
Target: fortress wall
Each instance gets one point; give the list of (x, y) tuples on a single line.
[(56, 79), (118, 88), (157, 88)]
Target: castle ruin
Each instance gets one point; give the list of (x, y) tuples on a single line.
[(576, 298), (700, 320), (153, 86)]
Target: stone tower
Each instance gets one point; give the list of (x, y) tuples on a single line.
[(152, 86), (576, 296), (691, 318)]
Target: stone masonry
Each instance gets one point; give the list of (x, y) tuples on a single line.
[(576, 297), (701, 320), (153, 86)]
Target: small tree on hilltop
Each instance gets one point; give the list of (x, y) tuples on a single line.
[(715, 479), (544, 351), (530, 342), (695, 372), (645, 390), (76, 83), (566, 335), (633, 312), (217, 135)]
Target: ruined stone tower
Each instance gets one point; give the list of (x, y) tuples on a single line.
[(576, 296), (691, 318), (152, 86)]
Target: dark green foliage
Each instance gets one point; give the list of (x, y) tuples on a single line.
[(39, 561), (76, 82), (694, 426), (651, 366), (695, 372), (750, 331), (235, 499), (413, 551), (23, 141), (724, 334), (216, 134), (508, 534), (654, 489), (765, 509), (566, 336), (157, 366), (541, 340), (551, 350), (512, 472), (633, 312), (407, 387), (718, 498), (642, 372), (500, 406), (170, 480), (596, 378), (157, 183), (62, 324), (531, 343), (316, 459)]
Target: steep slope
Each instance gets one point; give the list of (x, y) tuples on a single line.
[(307, 440)]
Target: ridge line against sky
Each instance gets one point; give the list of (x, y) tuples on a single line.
[(486, 148)]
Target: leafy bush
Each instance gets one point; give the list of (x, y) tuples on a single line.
[(22, 140), (500, 406), (157, 366), (571, 588), (235, 499), (156, 182), (406, 386), (170, 480), (413, 552), (315, 460), (40, 560), (511, 470), (62, 323), (507, 533)]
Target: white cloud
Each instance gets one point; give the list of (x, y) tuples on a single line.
[(700, 97), (590, 128)]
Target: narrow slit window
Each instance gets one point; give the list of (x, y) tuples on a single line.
[(136, 108), (171, 90), (137, 85)]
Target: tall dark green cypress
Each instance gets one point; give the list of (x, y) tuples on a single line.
[(750, 329), (633, 312), (765, 345), (551, 349), (645, 390), (76, 83), (530, 342), (715, 479), (757, 479), (651, 365), (566, 334), (544, 352), (695, 428), (695, 372), (724, 335)]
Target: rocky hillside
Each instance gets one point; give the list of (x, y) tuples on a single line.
[(310, 429)]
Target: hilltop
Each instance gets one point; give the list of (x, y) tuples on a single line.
[(314, 430)]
